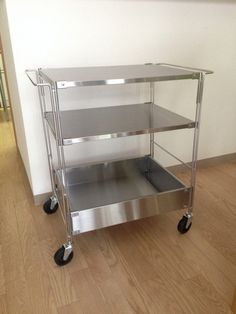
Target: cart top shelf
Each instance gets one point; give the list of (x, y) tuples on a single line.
[(114, 75)]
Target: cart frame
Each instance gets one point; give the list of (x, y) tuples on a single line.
[(43, 84)]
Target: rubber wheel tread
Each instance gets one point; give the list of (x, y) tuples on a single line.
[(58, 257), (47, 207), (182, 225)]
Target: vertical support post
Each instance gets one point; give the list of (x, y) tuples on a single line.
[(62, 166), (152, 99), (46, 131), (196, 141)]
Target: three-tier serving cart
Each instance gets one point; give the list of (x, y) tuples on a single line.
[(93, 196)]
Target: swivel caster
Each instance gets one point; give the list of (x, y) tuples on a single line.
[(64, 255), (51, 205), (185, 223)]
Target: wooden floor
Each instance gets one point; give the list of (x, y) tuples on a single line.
[(139, 267)]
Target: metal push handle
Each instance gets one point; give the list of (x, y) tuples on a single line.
[(32, 80), (186, 68)]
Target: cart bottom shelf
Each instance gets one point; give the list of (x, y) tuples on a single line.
[(115, 192)]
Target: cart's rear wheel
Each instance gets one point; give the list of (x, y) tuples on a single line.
[(60, 259), (184, 225), (50, 206)]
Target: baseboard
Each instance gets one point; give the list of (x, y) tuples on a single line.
[(41, 198), (208, 162), (214, 161)]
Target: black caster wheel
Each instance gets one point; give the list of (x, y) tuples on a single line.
[(59, 255), (182, 225), (50, 206)]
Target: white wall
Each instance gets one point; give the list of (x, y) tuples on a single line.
[(13, 87), (82, 33)]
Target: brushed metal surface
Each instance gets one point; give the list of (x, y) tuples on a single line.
[(112, 122), (110, 75), (105, 216), (115, 192)]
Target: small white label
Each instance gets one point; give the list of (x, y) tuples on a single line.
[(75, 224)]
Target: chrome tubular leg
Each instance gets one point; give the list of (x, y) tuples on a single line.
[(186, 221), (64, 254), (63, 170), (46, 134), (152, 99), (196, 141), (56, 121)]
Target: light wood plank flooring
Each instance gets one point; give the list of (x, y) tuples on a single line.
[(139, 267)]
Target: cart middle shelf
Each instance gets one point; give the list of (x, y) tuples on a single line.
[(116, 121)]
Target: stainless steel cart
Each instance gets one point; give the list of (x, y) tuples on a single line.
[(98, 195)]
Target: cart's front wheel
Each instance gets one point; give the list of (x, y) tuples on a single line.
[(184, 225), (51, 205), (61, 258)]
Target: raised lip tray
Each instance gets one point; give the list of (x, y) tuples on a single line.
[(113, 75), (109, 193), (117, 121)]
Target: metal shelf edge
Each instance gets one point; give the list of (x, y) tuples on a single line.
[(121, 127), (71, 141), (130, 210), (69, 84)]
